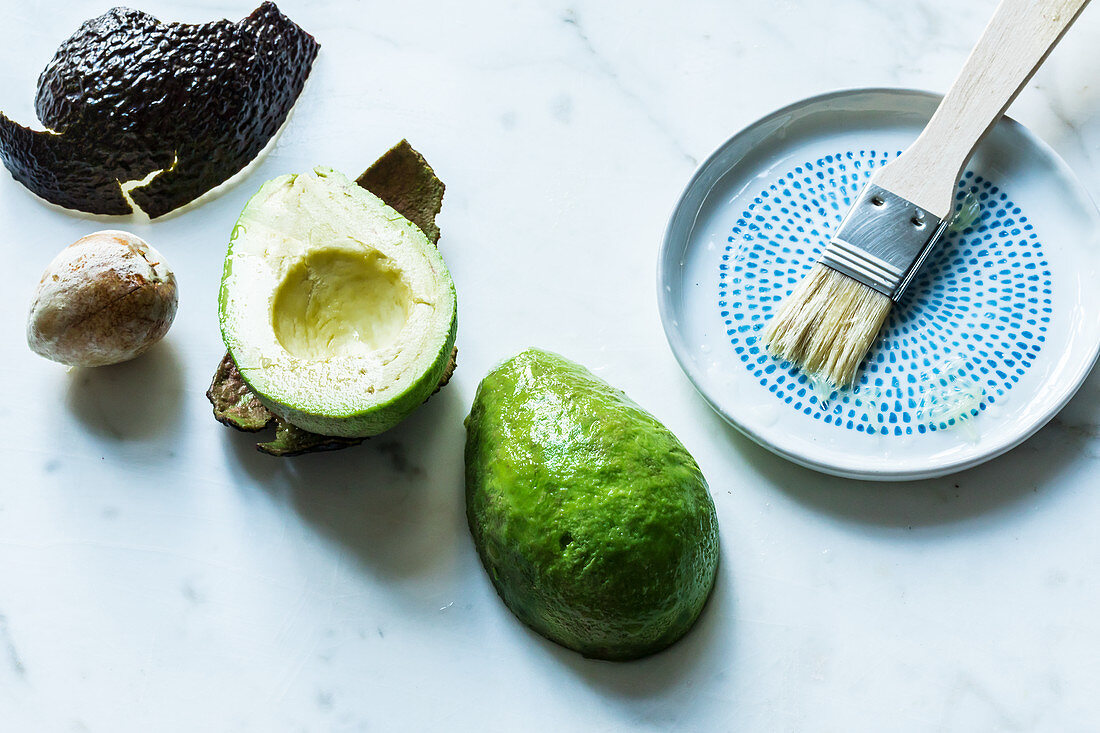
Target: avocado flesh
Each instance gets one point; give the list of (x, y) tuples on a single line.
[(593, 522), (338, 312), (334, 302)]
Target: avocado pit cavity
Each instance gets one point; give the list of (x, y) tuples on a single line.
[(339, 303)]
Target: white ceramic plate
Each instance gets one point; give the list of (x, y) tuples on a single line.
[(991, 340)]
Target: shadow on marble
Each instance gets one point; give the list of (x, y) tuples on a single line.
[(134, 400), (663, 681), (395, 501), (991, 487)]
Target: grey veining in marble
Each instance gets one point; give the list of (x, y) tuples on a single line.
[(157, 574)]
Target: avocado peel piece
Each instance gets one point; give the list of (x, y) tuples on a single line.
[(293, 441), (234, 403), (180, 107), (404, 180), (593, 522), (448, 371)]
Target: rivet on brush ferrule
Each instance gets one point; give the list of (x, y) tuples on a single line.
[(883, 240)]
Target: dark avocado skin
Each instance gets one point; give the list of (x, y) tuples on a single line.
[(593, 521), (131, 95)]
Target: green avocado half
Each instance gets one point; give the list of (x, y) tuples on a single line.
[(338, 312), (593, 521)]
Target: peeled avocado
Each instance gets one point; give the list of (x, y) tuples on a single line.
[(338, 312), (593, 521)]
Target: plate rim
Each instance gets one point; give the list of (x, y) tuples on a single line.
[(664, 305)]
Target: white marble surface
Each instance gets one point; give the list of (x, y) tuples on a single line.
[(156, 574)]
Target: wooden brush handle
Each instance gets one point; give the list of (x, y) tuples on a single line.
[(1014, 44)]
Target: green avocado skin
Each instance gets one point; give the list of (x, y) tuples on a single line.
[(593, 521)]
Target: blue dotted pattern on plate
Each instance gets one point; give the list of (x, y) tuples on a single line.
[(967, 329)]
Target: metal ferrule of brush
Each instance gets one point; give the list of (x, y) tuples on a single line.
[(883, 241)]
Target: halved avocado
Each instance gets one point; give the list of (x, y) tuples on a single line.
[(338, 311)]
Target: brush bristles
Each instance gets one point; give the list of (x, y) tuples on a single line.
[(827, 325)]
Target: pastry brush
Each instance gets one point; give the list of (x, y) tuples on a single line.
[(828, 324)]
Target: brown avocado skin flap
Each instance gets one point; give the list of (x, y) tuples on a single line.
[(127, 96)]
